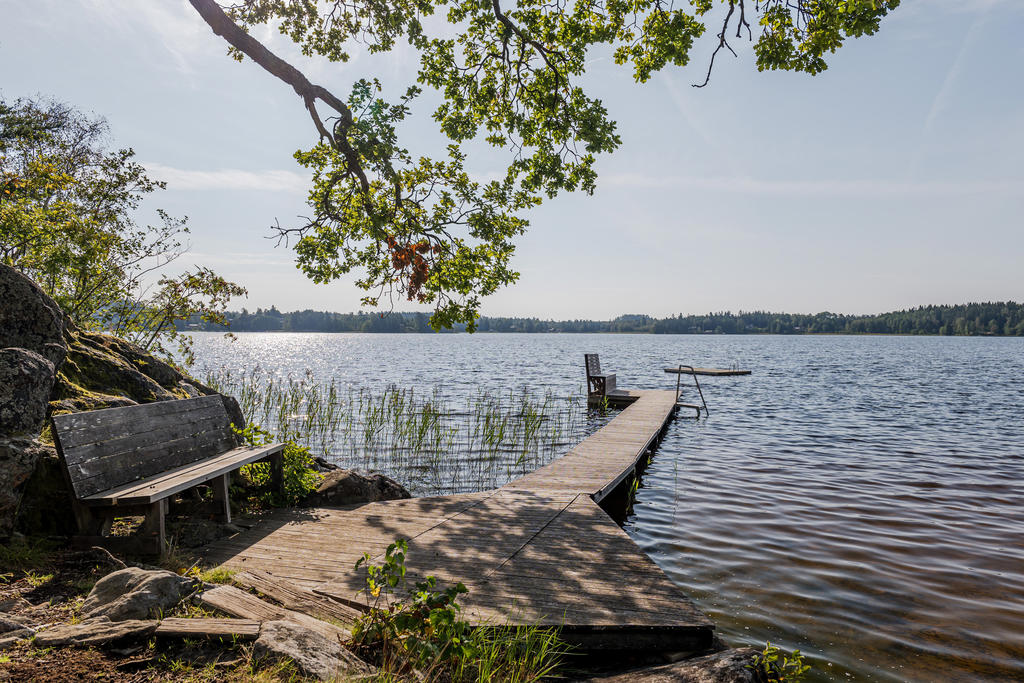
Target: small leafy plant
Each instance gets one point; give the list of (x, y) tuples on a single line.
[(300, 477), (773, 665), (421, 630)]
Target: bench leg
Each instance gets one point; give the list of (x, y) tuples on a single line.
[(221, 494), (277, 472), (90, 521), (154, 524)]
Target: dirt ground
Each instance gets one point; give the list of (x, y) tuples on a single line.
[(46, 584)]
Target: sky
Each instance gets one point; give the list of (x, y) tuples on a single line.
[(892, 180)]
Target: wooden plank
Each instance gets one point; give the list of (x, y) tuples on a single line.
[(240, 629), (141, 434), (77, 429), (245, 605), (296, 598), (168, 483), (159, 445), (125, 468)]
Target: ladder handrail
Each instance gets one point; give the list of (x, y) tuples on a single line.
[(693, 373)]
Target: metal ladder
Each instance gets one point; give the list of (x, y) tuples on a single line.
[(679, 379)]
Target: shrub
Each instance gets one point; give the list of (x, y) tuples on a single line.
[(422, 629), (300, 474)]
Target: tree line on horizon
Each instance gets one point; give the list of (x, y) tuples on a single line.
[(974, 319)]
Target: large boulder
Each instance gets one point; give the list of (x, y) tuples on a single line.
[(48, 366), (157, 370), (26, 380), (728, 666), (313, 653), (18, 461), (135, 593), (45, 508), (29, 318), (92, 365), (106, 372), (348, 487)]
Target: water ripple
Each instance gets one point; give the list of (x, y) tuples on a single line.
[(859, 498)]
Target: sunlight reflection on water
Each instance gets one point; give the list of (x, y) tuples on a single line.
[(859, 498)]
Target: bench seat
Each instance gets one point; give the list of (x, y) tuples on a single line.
[(176, 480), (135, 459)]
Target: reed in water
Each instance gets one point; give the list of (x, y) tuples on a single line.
[(431, 443)]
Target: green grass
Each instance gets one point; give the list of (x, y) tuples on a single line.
[(26, 555), (217, 575)]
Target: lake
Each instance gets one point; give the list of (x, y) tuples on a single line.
[(858, 498)]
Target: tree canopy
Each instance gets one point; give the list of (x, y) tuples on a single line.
[(68, 220), (993, 319), (424, 228)]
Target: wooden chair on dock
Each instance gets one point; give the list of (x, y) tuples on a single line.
[(599, 384)]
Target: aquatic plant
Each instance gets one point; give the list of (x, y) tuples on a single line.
[(773, 665), (430, 442)]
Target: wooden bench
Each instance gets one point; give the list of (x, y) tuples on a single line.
[(131, 460), (598, 384)]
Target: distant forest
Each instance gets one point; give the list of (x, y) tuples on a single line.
[(998, 319)]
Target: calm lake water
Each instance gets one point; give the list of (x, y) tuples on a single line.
[(858, 498)]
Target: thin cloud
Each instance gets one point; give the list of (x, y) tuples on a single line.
[(838, 188), (944, 96), (230, 179), (240, 258), (175, 26), (713, 141)]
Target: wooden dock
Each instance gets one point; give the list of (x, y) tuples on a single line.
[(539, 550), (710, 372)]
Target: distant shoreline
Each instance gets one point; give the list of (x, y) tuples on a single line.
[(995, 319), (612, 334)]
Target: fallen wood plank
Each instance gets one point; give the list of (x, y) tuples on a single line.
[(296, 597), (239, 603), (241, 629)]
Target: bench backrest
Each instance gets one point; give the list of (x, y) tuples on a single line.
[(593, 364), (106, 448)]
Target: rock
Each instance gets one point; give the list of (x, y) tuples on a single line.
[(18, 462), (92, 365), (348, 487), (45, 508), (12, 638), (10, 623), (194, 531), (93, 632), (157, 370), (313, 653), (135, 593), (26, 379), (728, 666), (322, 465), (30, 319)]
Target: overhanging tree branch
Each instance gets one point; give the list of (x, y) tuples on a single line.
[(227, 29)]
